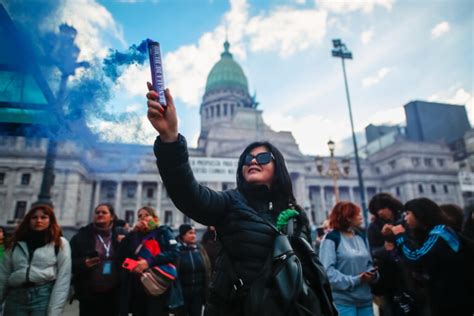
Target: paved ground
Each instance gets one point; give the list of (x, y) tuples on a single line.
[(71, 309)]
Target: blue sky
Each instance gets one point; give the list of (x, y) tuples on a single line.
[(403, 51)]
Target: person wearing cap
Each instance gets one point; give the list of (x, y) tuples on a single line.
[(194, 271), (95, 266), (150, 245), (35, 275)]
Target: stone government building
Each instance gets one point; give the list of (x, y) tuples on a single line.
[(125, 175)]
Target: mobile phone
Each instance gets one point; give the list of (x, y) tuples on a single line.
[(93, 254), (373, 270), (156, 68), (120, 231), (129, 264)]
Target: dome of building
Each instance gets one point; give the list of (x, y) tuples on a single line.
[(226, 73)]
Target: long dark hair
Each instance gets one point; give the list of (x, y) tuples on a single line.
[(428, 215), (385, 200), (281, 187), (53, 234)]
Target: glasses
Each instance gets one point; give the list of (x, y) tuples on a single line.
[(261, 158)]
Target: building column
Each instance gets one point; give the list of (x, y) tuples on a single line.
[(158, 198), (139, 195), (118, 198), (323, 200), (97, 193), (351, 194)]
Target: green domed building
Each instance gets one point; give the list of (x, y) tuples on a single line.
[(226, 90)]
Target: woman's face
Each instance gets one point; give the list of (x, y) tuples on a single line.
[(190, 236), (259, 173), (39, 221), (144, 216), (385, 214), (410, 219), (357, 220), (102, 216)]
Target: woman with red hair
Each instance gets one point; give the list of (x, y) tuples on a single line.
[(36, 272), (346, 257)]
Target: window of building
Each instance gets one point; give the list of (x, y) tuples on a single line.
[(20, 209), (25, 179), (392, 164), (397, 191), (2, 178), (130, 217), (433, 188), (428, 162), (218, 110), (150, 192), (131, 192), (110, 192), (440, 162), (420, 188), (225, 109), (415, 161), (231, 109), (445, 188), (207, 113), (377, 170), (168, 217), (212, 111)]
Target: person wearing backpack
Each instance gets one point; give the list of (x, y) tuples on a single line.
[(245, 220), (348, 262), (435, 259), (35, 275), (95, 266)]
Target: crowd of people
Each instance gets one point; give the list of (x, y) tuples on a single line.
[(256, 256)]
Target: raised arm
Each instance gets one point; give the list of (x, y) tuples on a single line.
[(200, 203)]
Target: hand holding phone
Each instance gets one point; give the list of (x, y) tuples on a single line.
[(129, 264), (92, 261)]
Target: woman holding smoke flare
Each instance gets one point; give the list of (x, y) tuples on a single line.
[(240, 216)]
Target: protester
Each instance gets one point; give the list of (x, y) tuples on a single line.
[(36, 272), (436, 263), (346, 257), (390, 287), (211, 244), (151, 245), (241, 216), (194, 271), (454, 216), (95, 266)]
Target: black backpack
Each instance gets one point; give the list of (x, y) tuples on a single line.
[(292, 281)]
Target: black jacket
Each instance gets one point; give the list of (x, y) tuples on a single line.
[(245, 237), (82, 245)]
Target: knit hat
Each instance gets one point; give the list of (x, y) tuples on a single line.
[(184, 228)]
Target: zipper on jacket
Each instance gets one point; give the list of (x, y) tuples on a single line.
[(270, 206), (30, 259), (193, 269)]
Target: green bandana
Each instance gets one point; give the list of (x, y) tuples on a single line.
[(284, 217)]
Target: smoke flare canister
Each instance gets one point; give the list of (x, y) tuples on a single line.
[(156, 70)]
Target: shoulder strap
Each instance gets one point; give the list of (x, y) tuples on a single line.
[(335, 236)]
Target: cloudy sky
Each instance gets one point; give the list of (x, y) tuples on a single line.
[(403, 51)]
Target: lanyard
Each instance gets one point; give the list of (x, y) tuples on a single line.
[(106, 247)]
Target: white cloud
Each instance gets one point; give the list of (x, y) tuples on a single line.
[(137, 130), (300, 1), (286, 30), (91, 21), (133, 79), (312, 132), (440, 29), (347, 6), (372, 80), (366, 36), (390, 116), (283, 30)]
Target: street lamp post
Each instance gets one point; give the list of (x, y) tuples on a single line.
[(340, 50), (333, 170)]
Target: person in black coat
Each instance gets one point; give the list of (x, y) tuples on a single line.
[(240, 215), (147, 234), (437, 262), (94, 264), (194, 271)]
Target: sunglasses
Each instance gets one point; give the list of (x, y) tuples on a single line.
[(261, 158)]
